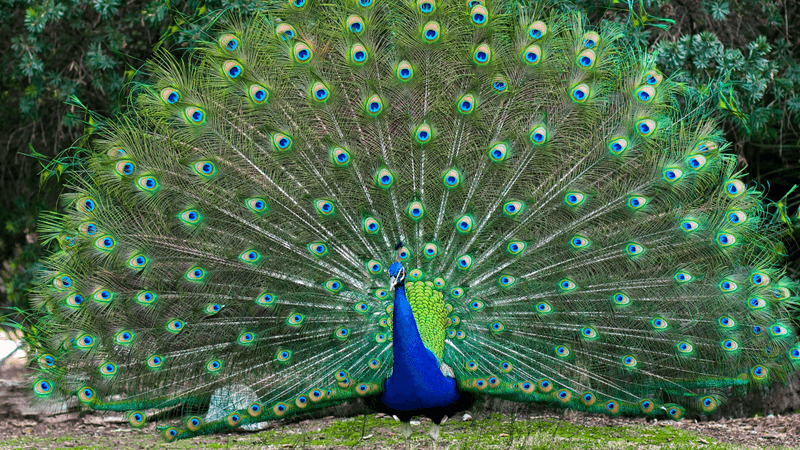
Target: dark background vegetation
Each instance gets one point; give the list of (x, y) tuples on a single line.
[(90, 49)]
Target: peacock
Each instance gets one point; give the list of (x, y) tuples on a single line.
[(415, 203)]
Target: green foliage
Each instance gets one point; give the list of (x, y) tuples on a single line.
[(87, 49)]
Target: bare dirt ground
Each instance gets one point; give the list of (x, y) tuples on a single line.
[(19, 420)]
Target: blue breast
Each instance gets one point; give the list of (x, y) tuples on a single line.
[(416, 382)]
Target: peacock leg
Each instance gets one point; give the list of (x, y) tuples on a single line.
[(434, 433), (405, 431)]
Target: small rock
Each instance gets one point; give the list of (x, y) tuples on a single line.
[(367, 436), (415, 422), (466, 417)]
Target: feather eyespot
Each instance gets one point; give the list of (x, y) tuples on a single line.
[(148, 183), (579, 241), (302, 52), (108, 369), (232, 69), (138, 261), (214, 366), (205, 169), (371, 225), (734, 188), (266, 299), (465, 224), (246, 338), (590, 39), (125, 168), (646, 127), (415, 210), (479, 15), (629, 361), (737, 217), (430, 32), (430, 250), (466, 104), (359, 56), (324, 207), (194, 423), (516, 247), (589, 333), (451, 179), (124, 337), (355, 24), (618, 146), (500, 84), (759, 279), (374, 267), (228, 42), (404, 71), (633, 249), (586, 59), (580, 93), (506, 280), (683, 277), (672, 174), (728, 286), (637, 202), (175, 326), (146, 297), (423, 133), (170, 96), (333, 286), (621, 299), (155, 361), (464, 262), (512, 208), (685, 347), (729, 345), (258, 94), (532, 55), (482, 55), (384, 178), (106, 243), (195, 274), (659, 323), (103, 296), (285, 31), (195, 115), (498, 152), (567, 285), (340, 156), (537, 30), (87, 395), (574, 198)]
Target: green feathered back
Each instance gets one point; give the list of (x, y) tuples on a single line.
[(594, 247)]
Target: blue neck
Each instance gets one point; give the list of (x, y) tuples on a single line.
[(416, 382)]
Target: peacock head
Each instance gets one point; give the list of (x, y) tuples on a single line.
[(397, 275)]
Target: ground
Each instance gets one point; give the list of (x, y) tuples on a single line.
[(22, 427)]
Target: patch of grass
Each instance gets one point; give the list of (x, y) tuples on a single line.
[(372, 432)]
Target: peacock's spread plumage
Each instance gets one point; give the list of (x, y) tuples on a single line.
[(570, 233)]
